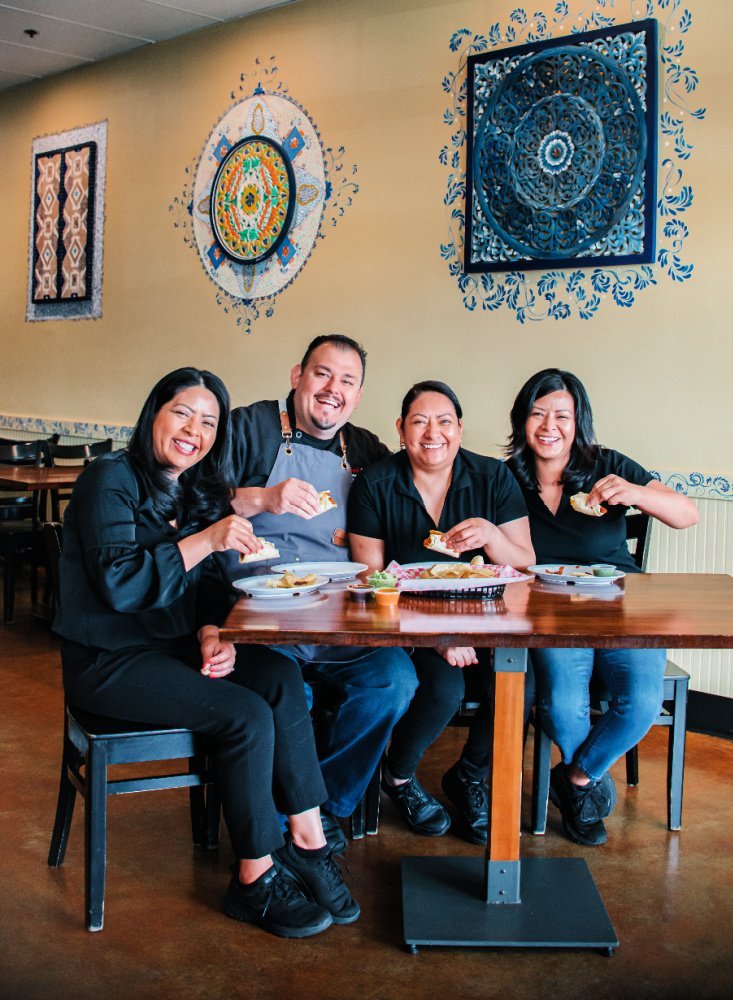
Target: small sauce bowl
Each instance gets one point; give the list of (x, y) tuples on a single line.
[(603, 569), (387, 597), (360, 591)]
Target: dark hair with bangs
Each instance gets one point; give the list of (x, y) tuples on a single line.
[(342, 342), (585, 447), (203, 492), (430, 385)]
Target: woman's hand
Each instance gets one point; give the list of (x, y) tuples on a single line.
[(218, 657), (655, 499), (614, 490), (232, 532), (473, 533), (458, 656)]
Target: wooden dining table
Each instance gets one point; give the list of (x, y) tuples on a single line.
[(38, 477), (498, 899)]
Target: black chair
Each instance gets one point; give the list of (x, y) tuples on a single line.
[(92, 744), (673, 715), (19, 521), (84, 453)]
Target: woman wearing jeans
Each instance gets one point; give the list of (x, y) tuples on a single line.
[(554, 455)]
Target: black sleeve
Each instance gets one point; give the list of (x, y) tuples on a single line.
[(510, 503), (362, 515), (127, 576)]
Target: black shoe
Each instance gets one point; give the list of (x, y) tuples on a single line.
[(275, 903), (472, 804), (583, 807), (321, 879), (421, 811), (334, 833)]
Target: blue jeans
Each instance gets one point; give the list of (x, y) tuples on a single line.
[(635, 680), (375, 691)]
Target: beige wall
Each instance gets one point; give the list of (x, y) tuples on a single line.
[(369, 73)]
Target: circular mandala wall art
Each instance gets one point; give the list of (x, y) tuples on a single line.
[(260, 195)]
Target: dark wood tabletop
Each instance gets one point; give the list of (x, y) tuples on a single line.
[(38, 477), (668, 610)]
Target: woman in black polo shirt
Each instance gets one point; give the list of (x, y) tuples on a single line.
[(476, 503), (554, 455)]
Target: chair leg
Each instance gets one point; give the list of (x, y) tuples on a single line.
[(540, 778), (676, 756), (8, 582), (632, 766), (213, 816), (95, 840), (371, 803), (64, 812), (357, 821)]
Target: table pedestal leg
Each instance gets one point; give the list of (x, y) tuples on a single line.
[(500, 901)]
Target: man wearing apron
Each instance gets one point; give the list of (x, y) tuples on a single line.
[(284, 454)]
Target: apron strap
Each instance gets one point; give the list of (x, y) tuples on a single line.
[(287, 433), (285, 427)]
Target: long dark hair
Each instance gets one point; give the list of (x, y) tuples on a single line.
[(203, 492), (584, 451), (430, 385)]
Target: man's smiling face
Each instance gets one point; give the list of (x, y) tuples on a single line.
[(327, 390)]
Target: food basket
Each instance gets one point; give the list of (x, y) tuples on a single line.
[(411, 580)]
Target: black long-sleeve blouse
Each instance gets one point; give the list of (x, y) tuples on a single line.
[(123, 581)]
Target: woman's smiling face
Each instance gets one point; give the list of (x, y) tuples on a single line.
[(431, 432), (550, 427), (184, 429)]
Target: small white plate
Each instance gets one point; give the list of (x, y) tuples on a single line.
[(572, 575), (257, 587), (333, 570)]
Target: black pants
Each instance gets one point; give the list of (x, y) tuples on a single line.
[(265, 755), (438, 698)]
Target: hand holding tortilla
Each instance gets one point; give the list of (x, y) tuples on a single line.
[(436, 542), (580, 503), (266, 551)]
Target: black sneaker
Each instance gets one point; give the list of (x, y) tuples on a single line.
[(583, 807), (275, 903), (421, 811), (333, 832), (472, 804), (321, 879)]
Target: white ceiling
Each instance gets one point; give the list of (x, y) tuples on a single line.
[(72, 33)]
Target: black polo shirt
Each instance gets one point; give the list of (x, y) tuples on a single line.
[(384, 503), (571, 537), (257, 436)]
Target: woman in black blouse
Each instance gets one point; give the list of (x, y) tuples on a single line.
[(475, 502), (554, 454), (137, 531)]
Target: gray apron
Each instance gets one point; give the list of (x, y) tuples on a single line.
[(316, 539)]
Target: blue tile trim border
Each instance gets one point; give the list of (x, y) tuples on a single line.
[(67, 428), (698, 484)]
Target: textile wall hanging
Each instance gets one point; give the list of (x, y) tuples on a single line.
[(553, 152), (261, 193), (67, 224)]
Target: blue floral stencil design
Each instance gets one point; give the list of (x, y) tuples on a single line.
[(558, 294)]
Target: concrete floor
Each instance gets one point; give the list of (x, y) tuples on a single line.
[(668, 894)]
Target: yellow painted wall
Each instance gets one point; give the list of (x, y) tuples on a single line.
[(369, 73)]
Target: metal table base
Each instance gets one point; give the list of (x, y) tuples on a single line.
[(560, 906)]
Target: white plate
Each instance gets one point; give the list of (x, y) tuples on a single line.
[(408, 584), (332, 570), (573, 575), (257, 587)]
